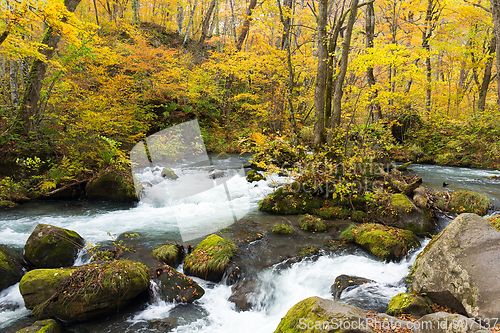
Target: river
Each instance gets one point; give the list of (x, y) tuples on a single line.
[(180, 218)]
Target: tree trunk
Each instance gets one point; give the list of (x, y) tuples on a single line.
[(180, 17), (206, 23), (374, 108), (14, 86), (495, 11), (28, 110), (190, 23), (319, 92), (135, 11), (337, 96), (490, 54)]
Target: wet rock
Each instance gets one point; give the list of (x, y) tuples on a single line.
[(168, 174), (210, 258), (444, 322), (163, 325), (217, 174), (84, 293), (346, 282), (11, 270), (459, 268), (387, 243), (411, 304), (242, 291), (43, 326), (112, 185), (49, 247), (175, 286), (316, 314)]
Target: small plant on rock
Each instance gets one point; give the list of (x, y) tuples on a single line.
[(311, 223)]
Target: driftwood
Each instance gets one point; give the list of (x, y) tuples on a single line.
[(71, 191), (412, 187)]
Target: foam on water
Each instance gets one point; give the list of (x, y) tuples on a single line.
[(11, 306)]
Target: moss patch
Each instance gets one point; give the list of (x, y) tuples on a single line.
[(116, 185), (42, 326), (169, 174), (411, 304), (494, 221), (10, 271), (210, 258), (287, 202), (387, 243), (170, 254), (309, 251), (282, 229), (401, 203), (254, 176), (469, 202), (311, 223)]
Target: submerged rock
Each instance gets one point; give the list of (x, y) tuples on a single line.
[(175, 286), (11, 270), (459, 268), (49, 247), (43, 326), (112, 185), (346, 282), (83, 293), (210, 258), (387, 243), (411, 304), (242, 291)]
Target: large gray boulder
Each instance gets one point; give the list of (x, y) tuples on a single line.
[(459, 268), (444, 322)]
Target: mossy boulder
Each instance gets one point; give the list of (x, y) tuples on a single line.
[(169, 174), (210, 258), (43, 326), (11, 270), (459, 268), (397, 210), (83, 293), (334, 212), (253, 176), (175, 286), (282, 229), (223, 156), (285, 201), (50, 247), (312, 223), (112, 185), (359, 216), (405, 303), (469, 202), (346, 282), (170, 254), (387, 243), (494, 221), (315, 314)]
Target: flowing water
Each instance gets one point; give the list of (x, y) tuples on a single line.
[(185, 211)]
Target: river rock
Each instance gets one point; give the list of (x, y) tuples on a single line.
[(43, 326), (112, 185), (83, 293), (253, 176), (170, 254), (169, 174), (49, 247), (210, 258), (291, 201), (405, 303), (343, 282), (11, 270), (315, 314), (387, 243), (241, 292), (175, 286), (404, 214), (459, 268), (444, 322)]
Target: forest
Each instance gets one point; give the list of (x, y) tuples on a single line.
[(83, 81)]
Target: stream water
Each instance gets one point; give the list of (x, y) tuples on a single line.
[(187, 217)]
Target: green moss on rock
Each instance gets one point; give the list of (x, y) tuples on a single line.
[(288, 202), (210, 258), (494, 221), (169, 174), (401, 203), (112, 185), (405, 303), (170, 254), (87, 292), (312, 223), (282, 229), (387, 243), (49, 247), (10, 269), (253, 176), (469, 202), (43, 326)]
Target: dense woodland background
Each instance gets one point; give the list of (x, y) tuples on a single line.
[(83, 80)]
